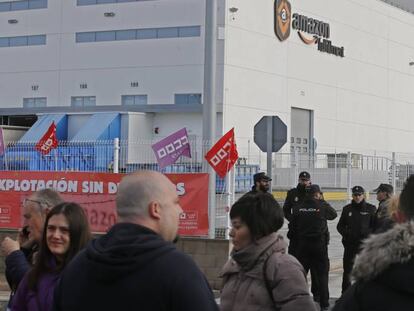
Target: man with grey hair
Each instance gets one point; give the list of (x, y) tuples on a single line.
[(19, 253), (135, 266)]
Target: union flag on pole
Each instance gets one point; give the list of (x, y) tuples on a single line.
[(48, 140), (2, 146), (223, 154)]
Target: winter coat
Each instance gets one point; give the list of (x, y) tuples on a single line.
[(294, 197), (18, 263), (383, 221), (311, 218), (244, 286), (356, 223), (384, 273), (26, 299), (133, 268)]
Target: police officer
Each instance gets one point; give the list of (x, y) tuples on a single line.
[(294, 197), (356, 223), (312, 236), (261, 183), (383, 221)]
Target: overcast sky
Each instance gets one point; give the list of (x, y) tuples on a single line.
[(406, 4)]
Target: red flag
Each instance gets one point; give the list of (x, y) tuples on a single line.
[(48, 141), (223, 154)]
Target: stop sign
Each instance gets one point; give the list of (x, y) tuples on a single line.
[(278, 132)]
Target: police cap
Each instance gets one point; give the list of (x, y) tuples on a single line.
[(261, 176), (312, 189), (358, 190), (385, 188), (304, 175)]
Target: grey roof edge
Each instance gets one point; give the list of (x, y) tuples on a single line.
[(405, 5), (168, 108)]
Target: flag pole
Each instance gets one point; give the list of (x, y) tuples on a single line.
[(56, 160), (5, 161), (209, 102)]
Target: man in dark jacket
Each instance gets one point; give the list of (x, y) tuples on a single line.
[(135, 266), (311, 220), (384, 269), (261, 183), (295, 197), (19, 253), (356, 223), (383, 221)]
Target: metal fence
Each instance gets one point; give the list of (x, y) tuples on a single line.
[(339, 171)]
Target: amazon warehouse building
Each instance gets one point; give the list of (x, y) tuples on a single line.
[(338, 73)]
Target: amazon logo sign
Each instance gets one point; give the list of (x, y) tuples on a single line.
[(310, 30)]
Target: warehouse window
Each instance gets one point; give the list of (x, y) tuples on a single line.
[(92, 2), (22, 41), (22, 5), (83, 101), (186, 99), (34, 102), (133, 100), (192, 31), (105, 36), (126, 34), (138, 34)]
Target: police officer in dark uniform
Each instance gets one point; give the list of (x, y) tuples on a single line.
[(356, 223), (261, 183), (312, 236), (295, 197)]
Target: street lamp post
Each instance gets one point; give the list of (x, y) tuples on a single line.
[(209, 102)]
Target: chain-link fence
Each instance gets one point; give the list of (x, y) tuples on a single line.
[(336, 171)]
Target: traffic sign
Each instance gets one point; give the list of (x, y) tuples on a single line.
[(271, 126)]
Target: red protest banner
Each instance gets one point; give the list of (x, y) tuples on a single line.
[(223, 154), (96, 192), (48, 140)]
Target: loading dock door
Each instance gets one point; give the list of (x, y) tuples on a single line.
[(301, 131)]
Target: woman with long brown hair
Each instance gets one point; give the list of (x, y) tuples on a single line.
[(66, 232)]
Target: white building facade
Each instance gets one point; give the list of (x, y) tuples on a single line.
[(146, 59)]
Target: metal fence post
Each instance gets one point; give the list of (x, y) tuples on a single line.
[(296, 167), (116, 155), (348, 173), (393, 171), (230, 194), (335, 170)]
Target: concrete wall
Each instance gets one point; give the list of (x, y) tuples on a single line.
[(210, 256)]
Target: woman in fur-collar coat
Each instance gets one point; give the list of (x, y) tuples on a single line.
[(384, 269)]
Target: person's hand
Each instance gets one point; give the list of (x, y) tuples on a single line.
[(9, 245), (23, 235)]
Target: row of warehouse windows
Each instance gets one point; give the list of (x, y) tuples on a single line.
[(42, 4), (22, 41), (92, 2), (115, 35), (126, 100), (22, 5), (138, 34)]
